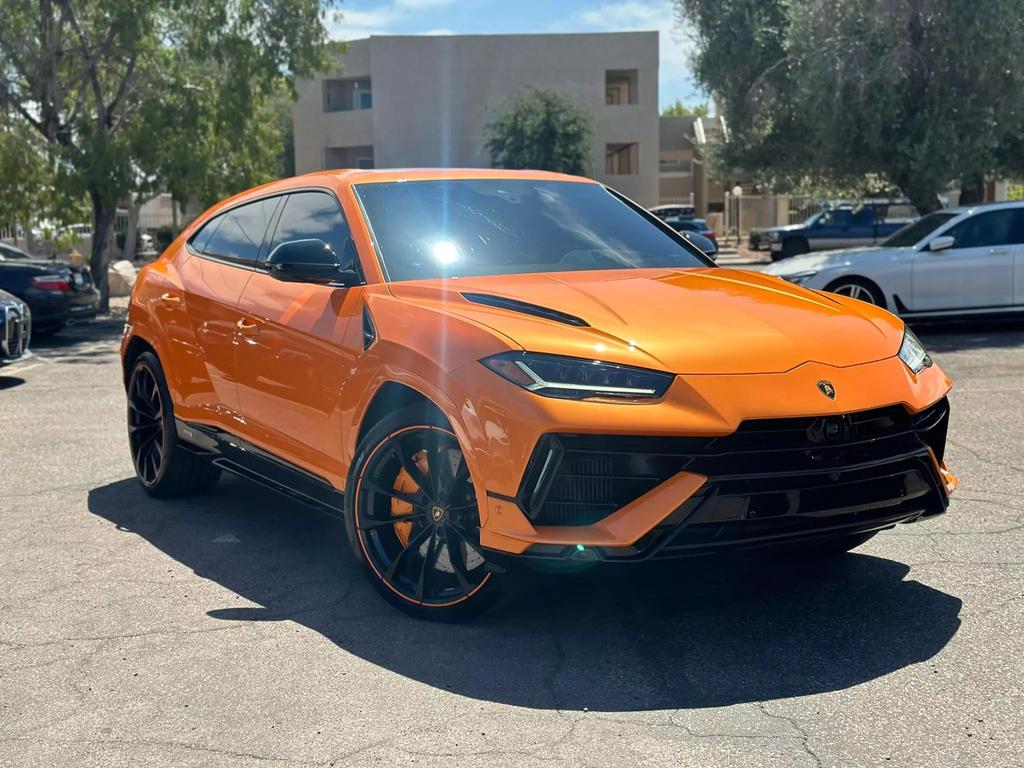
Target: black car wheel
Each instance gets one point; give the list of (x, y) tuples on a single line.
[(413, 520), (163, 467)]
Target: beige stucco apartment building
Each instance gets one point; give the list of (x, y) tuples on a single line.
[(415, 101)]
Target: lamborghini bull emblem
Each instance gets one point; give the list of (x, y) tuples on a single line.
[(827, 389)]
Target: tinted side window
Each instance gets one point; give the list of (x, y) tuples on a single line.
[(316, 215), (241, 231), (985, 230), (202, 237)]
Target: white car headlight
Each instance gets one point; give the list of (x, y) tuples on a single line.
[(574, 378), (912, 352), (799, 278)]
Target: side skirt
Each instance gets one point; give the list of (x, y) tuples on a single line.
[(242, 458)]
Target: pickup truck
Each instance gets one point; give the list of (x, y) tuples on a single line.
[(835, 228)]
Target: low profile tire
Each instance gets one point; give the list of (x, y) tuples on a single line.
[(413, 521), (163, 467), (857, 288)]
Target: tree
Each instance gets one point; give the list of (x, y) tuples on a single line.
[(919, 93), (27, 177), (678, 109), (541, 129), (89, 76)]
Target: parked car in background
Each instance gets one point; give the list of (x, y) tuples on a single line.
[(689, 228), (954, 262), (10, 253), (55, 291), (692, 225), (674, 211), (15, 327), (844, 227)]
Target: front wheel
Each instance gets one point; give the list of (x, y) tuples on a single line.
[(413, 520), (858, 289)]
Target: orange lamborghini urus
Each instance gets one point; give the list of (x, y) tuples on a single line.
[(479, 368)]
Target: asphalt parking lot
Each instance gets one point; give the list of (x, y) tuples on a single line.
[(235, 630)]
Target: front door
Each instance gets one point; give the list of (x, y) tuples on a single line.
[(976, 272), (223, 255), (297, 342)]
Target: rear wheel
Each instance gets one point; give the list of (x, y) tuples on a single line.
[(413, 520), (163, 467)]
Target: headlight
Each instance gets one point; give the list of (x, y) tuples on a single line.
[(799, 278), (774, 237), (573, 378), (912, 352)]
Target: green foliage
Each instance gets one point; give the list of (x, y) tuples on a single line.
[(541, 129), (917, 92), (130, 96), (678, 109)]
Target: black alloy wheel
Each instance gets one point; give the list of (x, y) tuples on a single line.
[(162, 465), (413, 517), (146, 433)]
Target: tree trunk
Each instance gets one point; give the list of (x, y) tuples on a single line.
[(972, 189), (104, 214), (924, 198), (131, 235)]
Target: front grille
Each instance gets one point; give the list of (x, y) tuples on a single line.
[(581, 479), (15, 332)]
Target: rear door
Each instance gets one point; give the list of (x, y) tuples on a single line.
[(297, 342), (225, 253), (977, 272)]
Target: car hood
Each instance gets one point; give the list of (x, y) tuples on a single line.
[(785, 228), (818, 262), (694, 321)]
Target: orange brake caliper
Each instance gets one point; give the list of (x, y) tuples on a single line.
[(405, 484)]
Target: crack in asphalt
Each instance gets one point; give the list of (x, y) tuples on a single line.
[(805, 737)]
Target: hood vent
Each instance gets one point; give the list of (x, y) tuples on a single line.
[(524, 307)]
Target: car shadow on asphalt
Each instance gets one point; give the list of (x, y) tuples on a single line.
[(624, 638)]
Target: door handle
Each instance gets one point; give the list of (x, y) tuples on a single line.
[(248, 327), (171, 299)]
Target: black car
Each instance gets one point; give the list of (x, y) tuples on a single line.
[(56, 291), (15, 327)]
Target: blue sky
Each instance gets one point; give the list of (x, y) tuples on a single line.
[(361, 18)]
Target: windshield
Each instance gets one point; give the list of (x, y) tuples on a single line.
[(912, 233), (459, 228)]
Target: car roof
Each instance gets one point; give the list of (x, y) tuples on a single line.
[(357, 175), (958, 209)]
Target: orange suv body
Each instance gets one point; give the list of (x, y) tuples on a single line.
[(475, 365)]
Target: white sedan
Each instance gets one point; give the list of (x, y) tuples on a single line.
[(956, 261)]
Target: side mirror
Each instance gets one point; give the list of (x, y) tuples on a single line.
[(309, 261), (941, 243)]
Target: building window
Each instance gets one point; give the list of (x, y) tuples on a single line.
[(620, 86), (622, 159), (347, 94), (348, 157)]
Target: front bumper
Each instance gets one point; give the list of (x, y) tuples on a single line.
[(765, 473), (15, 331)]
